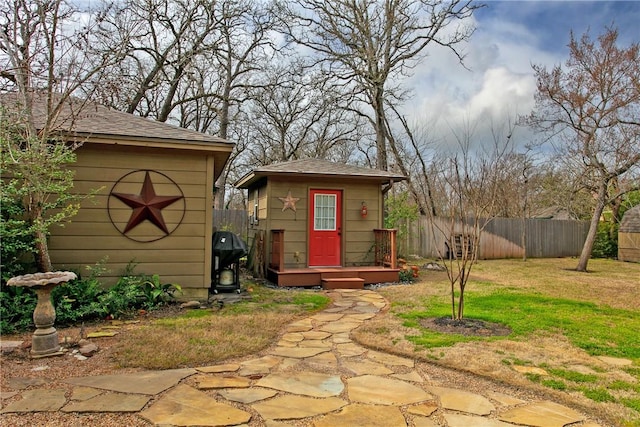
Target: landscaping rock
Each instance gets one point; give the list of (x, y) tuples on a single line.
[(190, 304), (88, 350)]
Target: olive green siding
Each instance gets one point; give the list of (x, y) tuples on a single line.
[(183, 257), (357, 232)]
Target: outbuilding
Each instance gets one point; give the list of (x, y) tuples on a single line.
[(315, 222), (629, 236), (152, 202)]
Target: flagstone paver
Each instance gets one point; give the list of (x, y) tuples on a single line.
[(378, 390), (424, 422), (463, 401), (228, 367), (362, 367), (247, 396), (209, 382), (461, 420), (295, 407), (424, 409), (306, 383), (85, 393), (315, 375), (327, 359), (186, 406), (150, 382), (542, 414), (21, 383), (504, 399), (298, 352), (109, 402), (363, 415), (38, 401), (390, 359), (412, 376)]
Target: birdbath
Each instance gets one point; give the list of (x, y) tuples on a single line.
[(45, 338)]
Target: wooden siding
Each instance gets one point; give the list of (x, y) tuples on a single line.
[(183, 257), (357, 232), (629, 247), (502, 238)]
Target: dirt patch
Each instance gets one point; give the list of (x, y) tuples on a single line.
[(468, 327)]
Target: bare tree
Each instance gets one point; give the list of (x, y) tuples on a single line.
[(192, 62), (591, 108), (293, 116), (44, 61), (367, 46), (470, 179)]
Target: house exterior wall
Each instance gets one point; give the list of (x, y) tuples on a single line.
[(182, 257), (357, 232)]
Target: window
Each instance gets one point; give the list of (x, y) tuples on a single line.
[(325, 212)]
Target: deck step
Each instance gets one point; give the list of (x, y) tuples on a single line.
[(342, 283)]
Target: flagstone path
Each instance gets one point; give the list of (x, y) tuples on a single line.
[(314, 376)]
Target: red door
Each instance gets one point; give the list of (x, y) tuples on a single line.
[(325, 228)]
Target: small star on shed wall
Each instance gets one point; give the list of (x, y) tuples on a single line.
[(289, 202)]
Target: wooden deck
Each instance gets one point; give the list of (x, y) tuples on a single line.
[(329, 277)]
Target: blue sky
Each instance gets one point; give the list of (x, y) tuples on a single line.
[(510, 36)]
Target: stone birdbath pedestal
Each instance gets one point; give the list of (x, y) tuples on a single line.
[(45, 339)]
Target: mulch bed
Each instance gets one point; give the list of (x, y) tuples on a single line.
[(468, 327)]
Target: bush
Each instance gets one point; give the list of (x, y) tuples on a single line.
[(85, 299), (606, 243), (16, 251), (16, 309)]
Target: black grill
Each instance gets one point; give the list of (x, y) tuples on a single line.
[(228, 248)]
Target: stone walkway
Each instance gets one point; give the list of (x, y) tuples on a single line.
[(314, 376)]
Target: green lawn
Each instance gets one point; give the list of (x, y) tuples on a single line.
[(599, 330)]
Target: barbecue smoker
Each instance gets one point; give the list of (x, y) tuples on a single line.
[(228, 248)]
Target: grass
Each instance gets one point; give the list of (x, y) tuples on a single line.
[(205, 336), (559, 318), (597, 329)]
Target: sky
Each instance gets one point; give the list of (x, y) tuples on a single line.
[(510, 36)]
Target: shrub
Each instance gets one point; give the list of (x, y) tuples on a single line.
[(85, 299), (16, 309), (16, 251), (606, 243)]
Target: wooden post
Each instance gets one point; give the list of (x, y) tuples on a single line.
[(277, 250)]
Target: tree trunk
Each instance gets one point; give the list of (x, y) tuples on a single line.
[(381, 140), (42, 253), (593, 228)]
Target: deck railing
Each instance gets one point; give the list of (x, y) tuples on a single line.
[(386, 252), (277, 250)]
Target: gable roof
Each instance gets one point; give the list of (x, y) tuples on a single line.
[(630, 221), (83, 120), (317, 168)]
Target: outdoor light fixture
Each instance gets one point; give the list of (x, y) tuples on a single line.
[(363, 210)]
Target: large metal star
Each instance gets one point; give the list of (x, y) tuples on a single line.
[(147, 205)]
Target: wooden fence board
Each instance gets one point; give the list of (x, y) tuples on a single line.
[(501, 238)]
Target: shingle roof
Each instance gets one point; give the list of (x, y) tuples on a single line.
[(630, 221), (86, 118), (317, 168)]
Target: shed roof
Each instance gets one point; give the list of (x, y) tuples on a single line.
[(630, 221), (83, 120), (317, 168)]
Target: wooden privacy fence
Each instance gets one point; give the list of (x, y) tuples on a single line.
[(231, 220), (501, 238)]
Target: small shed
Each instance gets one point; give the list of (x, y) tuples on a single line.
[(315, 222), (629, 236), (153, 206)]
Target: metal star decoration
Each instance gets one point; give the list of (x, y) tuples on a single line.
[(147, 205), (289, 202)]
